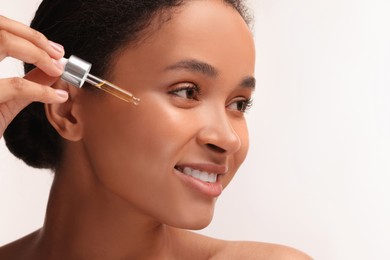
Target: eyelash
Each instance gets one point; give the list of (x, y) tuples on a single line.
[(246, 102), (187, 87)]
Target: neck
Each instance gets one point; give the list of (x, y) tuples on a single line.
[(84, 220)]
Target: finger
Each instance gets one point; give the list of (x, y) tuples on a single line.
[(21, 49), (23, 89), (38, 76), (54, 50)]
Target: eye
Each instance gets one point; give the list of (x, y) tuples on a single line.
[(242, 105), (188, 91)]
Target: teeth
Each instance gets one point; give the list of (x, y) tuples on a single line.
[(200, 175)]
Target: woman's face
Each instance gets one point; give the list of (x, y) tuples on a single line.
[(171, 156)]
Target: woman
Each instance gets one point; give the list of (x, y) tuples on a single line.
[(130, 179)]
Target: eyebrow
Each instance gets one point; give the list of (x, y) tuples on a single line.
[(248, 82), (208, 70), (195, 66)]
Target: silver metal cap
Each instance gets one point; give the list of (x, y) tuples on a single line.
[(76, 71)]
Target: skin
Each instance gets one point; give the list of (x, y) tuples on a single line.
[(118, 193)]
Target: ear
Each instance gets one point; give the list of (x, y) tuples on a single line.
[(64, 117)]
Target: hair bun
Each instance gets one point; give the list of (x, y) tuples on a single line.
[(31, 137)]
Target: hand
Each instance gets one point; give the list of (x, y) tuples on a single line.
[(21, 42)]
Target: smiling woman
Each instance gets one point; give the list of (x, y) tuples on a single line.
[(129, 180)]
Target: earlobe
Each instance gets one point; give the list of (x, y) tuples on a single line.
[(64, 117)]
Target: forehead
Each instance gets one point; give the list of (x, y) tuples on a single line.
[(206, 30)]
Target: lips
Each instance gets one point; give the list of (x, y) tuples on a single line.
[(202, 177)]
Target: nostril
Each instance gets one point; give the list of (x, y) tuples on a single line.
[(216, 148)]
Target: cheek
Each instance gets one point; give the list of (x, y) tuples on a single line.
[(126, 134), (244, 136), (240, 127), (238, 158)]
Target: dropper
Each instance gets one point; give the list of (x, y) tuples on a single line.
[(76, 72)]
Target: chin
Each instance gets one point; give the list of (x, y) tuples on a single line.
[(195, 222), (198, 225)]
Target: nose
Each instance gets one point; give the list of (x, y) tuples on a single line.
[(218, 135)]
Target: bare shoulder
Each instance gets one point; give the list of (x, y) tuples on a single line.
[(216, 249), (258, 250), (18, 249), (10, 251)]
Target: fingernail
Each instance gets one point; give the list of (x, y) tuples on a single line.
[(59, 64), (62, 93), (57, 47)]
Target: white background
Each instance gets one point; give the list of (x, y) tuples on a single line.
[(318, 173)]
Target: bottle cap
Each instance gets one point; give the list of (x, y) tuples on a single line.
[(76, 70)]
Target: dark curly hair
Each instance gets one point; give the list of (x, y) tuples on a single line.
[(94, 30)]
